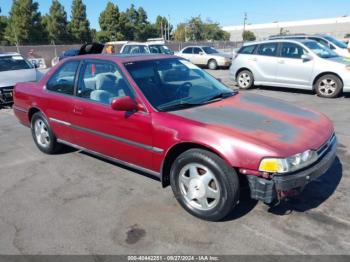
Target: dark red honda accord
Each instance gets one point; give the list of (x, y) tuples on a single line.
[(165, 116)]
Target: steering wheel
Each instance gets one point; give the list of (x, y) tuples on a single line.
[(183, 90)]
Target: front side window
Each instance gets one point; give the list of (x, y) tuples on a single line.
[(169, 84), (336, 42), (291, 50), (102, 82), (269, 49), (15, 62), (64, 78), (197, 50), (320, 50)]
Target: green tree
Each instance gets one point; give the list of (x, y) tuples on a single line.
[(347, 36), (180, 33), (195, 29), (3, 24), (56, 23), (212, 31), (24, 23), (79, 25), (248, 36), (109, 23)]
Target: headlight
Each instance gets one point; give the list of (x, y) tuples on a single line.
[(290, 164)]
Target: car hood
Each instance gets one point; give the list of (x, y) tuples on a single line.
[(340, 60), (10, 78), (283, 127)]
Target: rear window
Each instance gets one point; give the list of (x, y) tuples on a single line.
[(268, 49), (16, 62), (247, 50)]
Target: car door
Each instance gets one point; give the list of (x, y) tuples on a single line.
[(199, 57), (126, 136), (264, 62), (292, 69), (187, 53), (59, 99)]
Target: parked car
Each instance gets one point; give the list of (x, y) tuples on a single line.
[(169, 118), (205, 56), (13, 69), (331, 42), (145, 48), (86, 49), (301, 64)]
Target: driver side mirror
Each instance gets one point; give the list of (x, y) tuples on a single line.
[(201, 53), (306, 57), (125, 103)]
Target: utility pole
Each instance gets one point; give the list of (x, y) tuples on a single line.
[(244, 24)]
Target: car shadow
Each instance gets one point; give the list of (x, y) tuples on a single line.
[(314, 193)]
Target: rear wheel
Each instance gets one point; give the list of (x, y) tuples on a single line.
[(42, 134), (245, 79), (328, 86), (204, 184)]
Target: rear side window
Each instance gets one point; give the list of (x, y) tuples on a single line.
[(247, 50), (291, 50), (268, 49), (188, 50), (16, 62), (63, 79)]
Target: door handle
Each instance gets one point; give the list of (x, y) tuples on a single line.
[(281, 61), (78, 110), (254, 59)]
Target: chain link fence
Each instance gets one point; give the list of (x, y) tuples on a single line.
[(48, 52)]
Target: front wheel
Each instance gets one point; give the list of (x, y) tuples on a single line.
[(212, 64), (204, 184), (245, 79), (328, 86), (42, 134)]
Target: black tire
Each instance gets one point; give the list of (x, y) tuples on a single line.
[(212, 64), (328, 86), (245, 79), (225, 177), (52, 146)]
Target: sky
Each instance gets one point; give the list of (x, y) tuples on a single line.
[(225, 12)]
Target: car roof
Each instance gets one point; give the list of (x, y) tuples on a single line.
[(278, 40), (123, 58), (2, 54)]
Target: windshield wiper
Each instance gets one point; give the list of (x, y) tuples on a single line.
[(180, 105), (219, 96)]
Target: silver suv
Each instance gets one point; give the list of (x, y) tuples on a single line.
[(301, 64)]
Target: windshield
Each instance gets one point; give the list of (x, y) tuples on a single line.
[(170, 84), (160, 49), (320, 50), (16, 62), (209, 50), (336, 42)]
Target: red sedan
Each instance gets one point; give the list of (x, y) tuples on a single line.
[(165, 116)]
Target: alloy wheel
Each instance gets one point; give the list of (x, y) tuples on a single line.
[(199, 186), (327, 87), (41, 133)]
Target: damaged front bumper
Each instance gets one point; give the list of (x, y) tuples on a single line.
[(6, 95), (285, 185)]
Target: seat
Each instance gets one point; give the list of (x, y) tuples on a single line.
[(106, 88)]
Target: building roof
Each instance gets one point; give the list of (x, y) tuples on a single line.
[(326, 21)]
